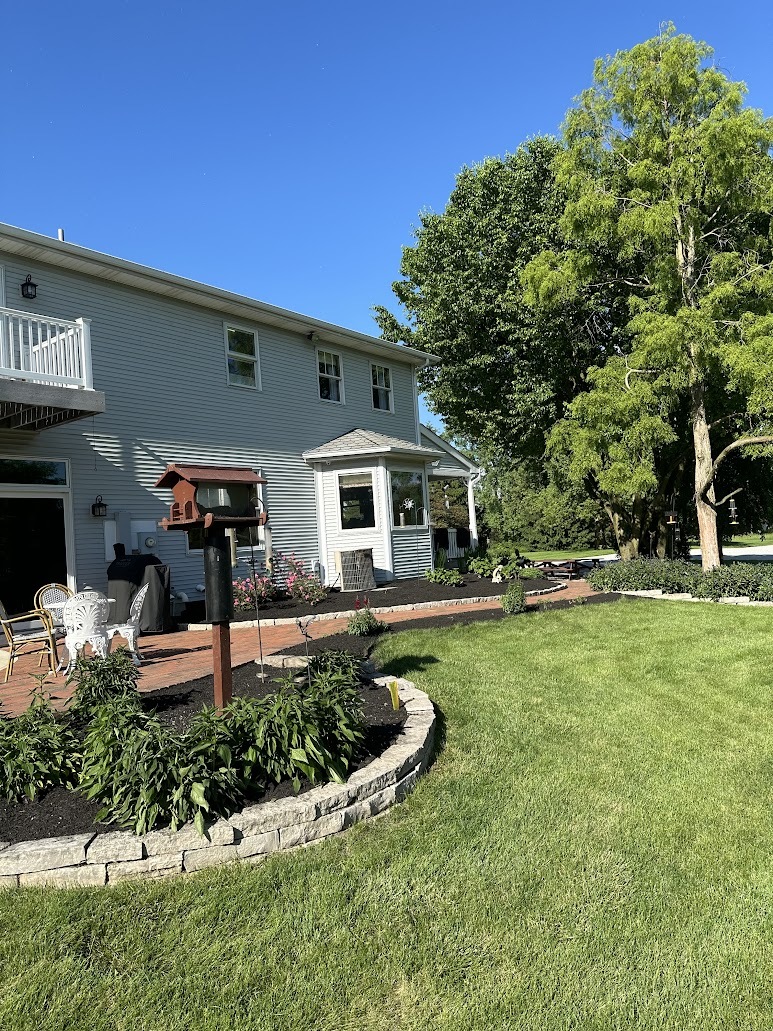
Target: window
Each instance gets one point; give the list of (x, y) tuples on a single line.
[(242, 353), (381, 379), (37, 471), (355, 497), (331, 379), (408, 507)]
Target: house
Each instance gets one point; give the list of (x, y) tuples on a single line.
[(110, 371)]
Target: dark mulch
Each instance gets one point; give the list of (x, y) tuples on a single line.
[(363, 646), (402, 592), (66, 812)]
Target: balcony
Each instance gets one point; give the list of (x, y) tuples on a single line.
[(45, 371)]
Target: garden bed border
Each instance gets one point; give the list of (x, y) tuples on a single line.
[(660, 595), (90, 859), (376, 610)]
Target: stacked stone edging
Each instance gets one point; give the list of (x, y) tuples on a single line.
[(80, 860), (661, 596), (376, 610)]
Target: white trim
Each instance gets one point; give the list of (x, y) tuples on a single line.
[(449, 450), (341, 387), (338, 473), (258, 385), (2, 287), (391, 388), (425, 494), (319, 500), (382, 477)]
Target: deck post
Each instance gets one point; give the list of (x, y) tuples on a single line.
[(472, 518)]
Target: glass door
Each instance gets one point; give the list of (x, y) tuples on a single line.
[(33, 547)]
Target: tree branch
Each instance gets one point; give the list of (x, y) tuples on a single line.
[(727, 497), (741, 442)]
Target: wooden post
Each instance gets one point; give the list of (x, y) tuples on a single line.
[(221, 657)]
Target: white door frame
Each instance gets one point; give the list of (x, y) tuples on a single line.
[(32, 490)]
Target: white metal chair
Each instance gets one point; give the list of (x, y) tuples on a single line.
[(85, 622), (130, 630)]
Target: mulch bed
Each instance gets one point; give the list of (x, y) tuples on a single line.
[(66, 812), (402, 592), (363, 646)]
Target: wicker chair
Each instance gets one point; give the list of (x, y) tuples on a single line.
[(131, 628), (85, 622), (38, 638), (52, 598)]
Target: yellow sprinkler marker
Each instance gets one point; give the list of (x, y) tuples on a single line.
[(393, 691)]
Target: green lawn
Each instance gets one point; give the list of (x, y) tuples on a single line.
[(563, 556), (593, 849)]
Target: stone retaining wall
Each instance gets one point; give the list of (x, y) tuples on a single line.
[(249, 836), (661, 596), (239, 624)]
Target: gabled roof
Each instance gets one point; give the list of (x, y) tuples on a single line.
[(434, 440), (368, 442), (35, 246)]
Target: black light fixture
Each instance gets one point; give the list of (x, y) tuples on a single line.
[(99, 508), (733, 512), (29, 290), (671, 518)]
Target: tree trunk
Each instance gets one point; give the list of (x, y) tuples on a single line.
[(627, 527), (704, 485)]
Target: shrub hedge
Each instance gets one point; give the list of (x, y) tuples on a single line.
[(736, 579)]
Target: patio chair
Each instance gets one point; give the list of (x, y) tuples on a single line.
[(85, 622), (52, 598), (131, 628), (39, 638)]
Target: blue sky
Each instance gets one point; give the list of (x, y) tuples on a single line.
[(285, 151)]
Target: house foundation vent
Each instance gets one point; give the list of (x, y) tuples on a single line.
[(356, 569)]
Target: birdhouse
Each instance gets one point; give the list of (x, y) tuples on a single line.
[(211, 496)]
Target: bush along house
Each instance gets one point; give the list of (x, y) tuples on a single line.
[(111, 371)]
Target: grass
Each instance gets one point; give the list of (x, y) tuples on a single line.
[(592, 849), (564, 556)]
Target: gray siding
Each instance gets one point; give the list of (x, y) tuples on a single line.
[(411, 552), (162, 366)]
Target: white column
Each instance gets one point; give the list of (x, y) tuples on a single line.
[(85, 328), (471, 514)]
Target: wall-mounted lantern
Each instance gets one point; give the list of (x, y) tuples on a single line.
[(99, 508), (29, 290)]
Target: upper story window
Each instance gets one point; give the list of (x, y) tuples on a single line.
[(331, 377), (243, 357), (381, 380)]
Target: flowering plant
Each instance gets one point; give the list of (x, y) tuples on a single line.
[(363, 623), (301, 585), (246, 593)]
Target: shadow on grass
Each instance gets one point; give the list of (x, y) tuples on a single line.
[(402, 665)]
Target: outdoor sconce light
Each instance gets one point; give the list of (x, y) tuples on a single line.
[(99, 508), (29, 290), (671, 518), (733, 512)]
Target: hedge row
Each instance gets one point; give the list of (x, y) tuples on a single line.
[(736, 579)]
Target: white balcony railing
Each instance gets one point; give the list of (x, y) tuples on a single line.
[(42, 350)]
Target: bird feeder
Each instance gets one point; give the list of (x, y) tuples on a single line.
[(733, 510), (671, 518), (215, 499)]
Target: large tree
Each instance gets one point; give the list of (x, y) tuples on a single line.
[(665, 166), (507, 368)]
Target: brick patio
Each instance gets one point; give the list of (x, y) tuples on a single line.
[(185, 655)]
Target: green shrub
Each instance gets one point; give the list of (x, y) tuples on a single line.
[(676, 577), (100, 680), (38, 751), (449, 577), (364, 624), (514, 598), (483, 565), (143, 773), (441, 558), (530, 574), (332, 660)]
